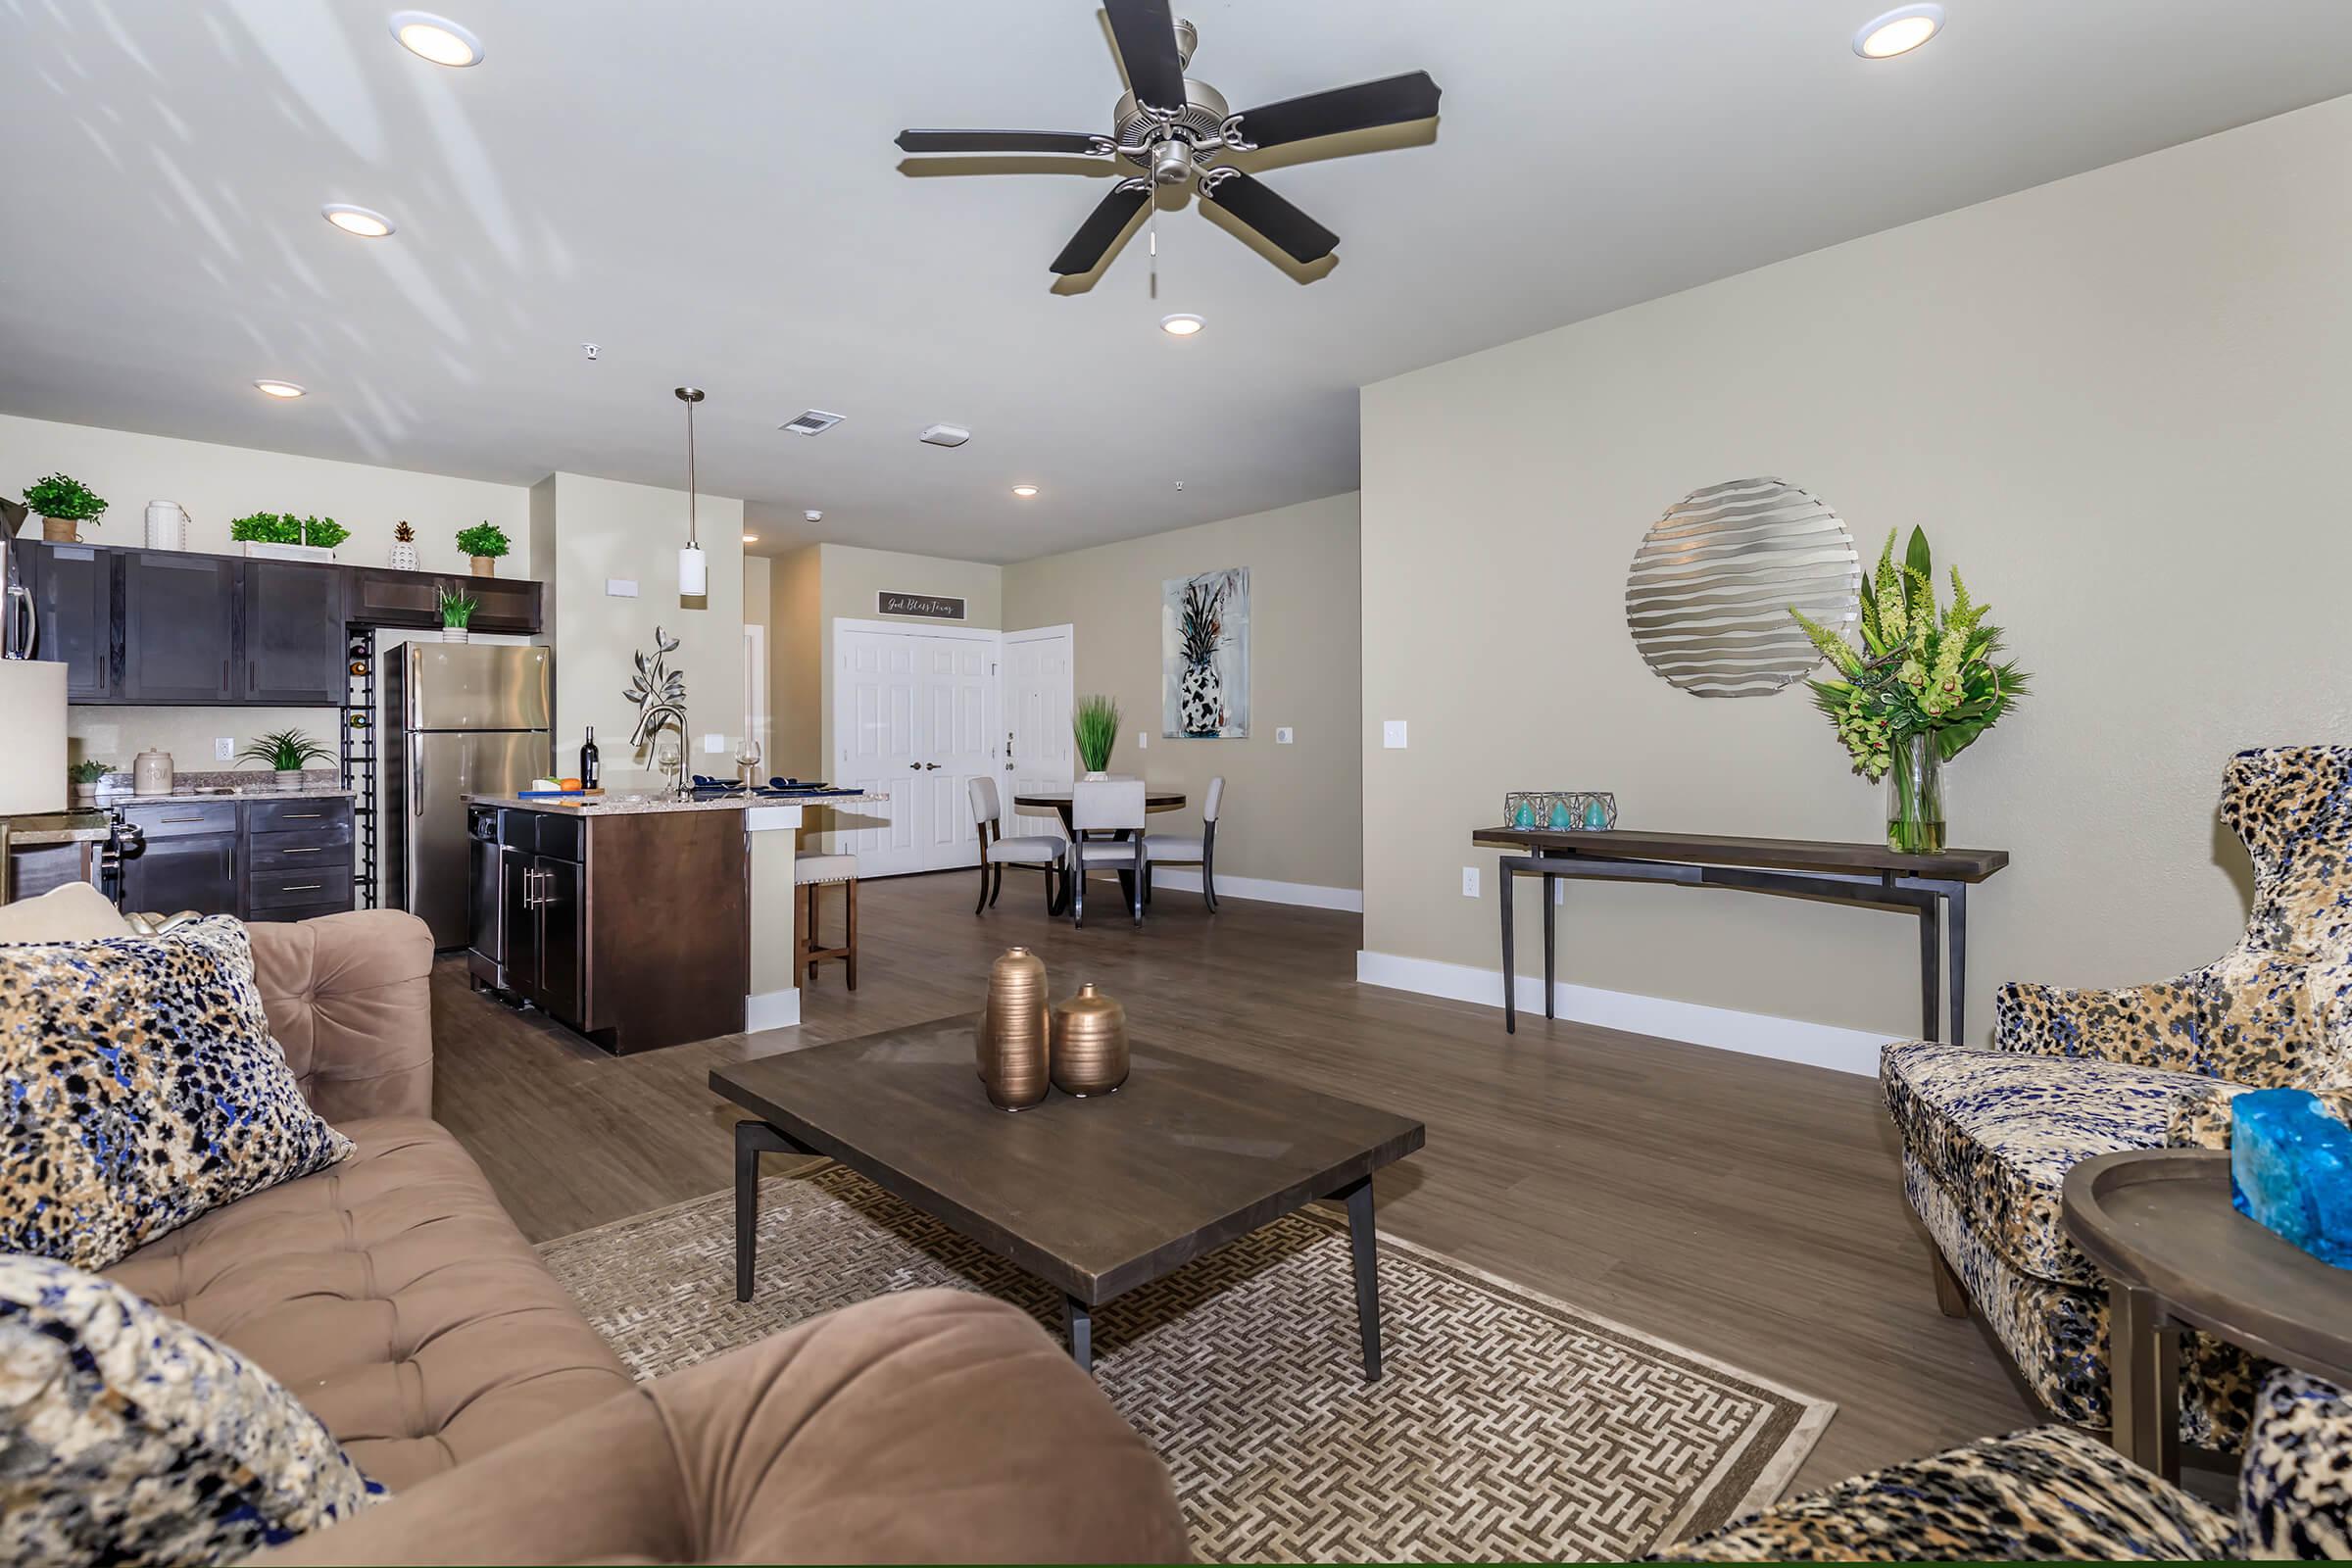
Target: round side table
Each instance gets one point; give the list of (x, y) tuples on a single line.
[(2159, 1224)]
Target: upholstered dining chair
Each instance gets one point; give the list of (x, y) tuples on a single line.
[(1042, 851), (1107, 806), (1178, 849), (1989, 1135)]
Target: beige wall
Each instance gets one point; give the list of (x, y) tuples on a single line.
[(116, 735), (758, 612), (796, 660), (849, 582), (605, 529), (216, 483), (1292, 813), (2116, 402)]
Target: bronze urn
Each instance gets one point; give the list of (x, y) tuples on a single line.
[(1090, 1043), (1011, 1042)]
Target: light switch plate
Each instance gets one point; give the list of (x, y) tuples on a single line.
[(1469, 881), (620, 588), (1143, 740), (224, 749), (1282, 736), (1391, 734), (714, 742)]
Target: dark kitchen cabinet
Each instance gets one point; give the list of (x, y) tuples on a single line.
[(74, 599), (179, 628), (193, 871), (542, 933), (293, 622), (384, 596)]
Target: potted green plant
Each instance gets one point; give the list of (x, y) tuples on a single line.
[(283, 536), (456, 610), (485, 542), (1920, 688), (85, 775), (65, 504), (1094, 726), (288, 751)]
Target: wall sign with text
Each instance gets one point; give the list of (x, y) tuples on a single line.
[(931, 607)]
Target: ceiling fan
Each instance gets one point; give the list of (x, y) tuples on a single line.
[(1175, 128)]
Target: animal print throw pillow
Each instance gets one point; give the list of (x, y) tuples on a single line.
[(128, 1437), (139, 1088), (2294, 1490)]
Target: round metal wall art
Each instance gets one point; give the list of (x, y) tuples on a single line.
[(1712, 587)]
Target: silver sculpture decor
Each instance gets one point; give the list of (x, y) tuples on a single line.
[(1712, 587), (659, 694)]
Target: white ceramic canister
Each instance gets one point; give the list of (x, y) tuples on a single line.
[(151, 773), (166, 525)]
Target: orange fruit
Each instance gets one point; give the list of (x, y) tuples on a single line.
[(567, 783)]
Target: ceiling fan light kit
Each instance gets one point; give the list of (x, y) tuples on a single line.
[(1174, 128)]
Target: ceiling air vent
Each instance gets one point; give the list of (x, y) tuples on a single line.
[(812, 421)]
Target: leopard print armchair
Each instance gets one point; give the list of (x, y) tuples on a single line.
[(1988, 1136)]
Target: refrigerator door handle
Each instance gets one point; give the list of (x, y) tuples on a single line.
[(416, 780)]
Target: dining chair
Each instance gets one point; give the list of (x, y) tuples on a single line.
[(1113, 806), (1041, 851), (1180, 848)]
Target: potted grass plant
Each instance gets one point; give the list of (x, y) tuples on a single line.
[(457, 611), (65, 504), (484, 543), (289, 752), (283, 536), (1094, 726), (85, 775)]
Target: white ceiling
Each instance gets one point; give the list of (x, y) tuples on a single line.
[(709, 191)]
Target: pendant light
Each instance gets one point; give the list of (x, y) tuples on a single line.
[(694, 569)]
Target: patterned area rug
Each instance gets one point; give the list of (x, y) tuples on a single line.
[(1507, 1426)]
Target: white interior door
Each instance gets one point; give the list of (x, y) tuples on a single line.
[(914, 714), (957, 688), (1039, 689)]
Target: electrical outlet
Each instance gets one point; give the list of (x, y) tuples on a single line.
[(1282, 736), (1391, 734), (714, 742), (1143, 740), (225, 747), (1469, 881)]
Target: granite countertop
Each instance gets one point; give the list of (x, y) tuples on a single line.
[(54, 827), (628, 804), (240, 791), (224, 784)]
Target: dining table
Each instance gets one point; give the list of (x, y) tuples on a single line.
[(1058, 801)]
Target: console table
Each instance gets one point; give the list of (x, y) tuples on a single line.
[(1869, 874)]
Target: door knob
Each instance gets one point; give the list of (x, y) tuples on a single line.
[(930, 767)]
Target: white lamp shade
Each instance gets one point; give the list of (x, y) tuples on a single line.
[(694, 573)]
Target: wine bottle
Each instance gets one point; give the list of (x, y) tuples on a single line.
[(588, 774)]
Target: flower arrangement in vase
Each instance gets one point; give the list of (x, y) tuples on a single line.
[(1918, 692)]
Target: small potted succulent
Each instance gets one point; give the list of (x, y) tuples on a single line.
[(283, 536), (485, 542), (456, 610), (65, 504), (85, 775), (404, 547), (288, 751)]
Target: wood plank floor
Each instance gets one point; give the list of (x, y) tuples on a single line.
[(1746, 1208)]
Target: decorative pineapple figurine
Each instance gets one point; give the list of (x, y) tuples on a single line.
[(404, 548)]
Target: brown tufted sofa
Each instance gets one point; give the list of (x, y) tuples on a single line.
[(395, 1298)]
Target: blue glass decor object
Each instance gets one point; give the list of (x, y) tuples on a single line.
[(1561, 821), (1525, 815), (2290, 1170), (1596, 815)]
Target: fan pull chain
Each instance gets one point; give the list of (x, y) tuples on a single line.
[(1153, 238)]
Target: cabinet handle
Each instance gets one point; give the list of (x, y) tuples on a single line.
[(179, 819), (298, 852), (299, 816), (301, 887)]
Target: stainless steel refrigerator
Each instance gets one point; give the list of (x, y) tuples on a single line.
[(460, 719)]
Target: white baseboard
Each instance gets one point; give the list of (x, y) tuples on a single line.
[(1751, 1034), (772, 1009), (1187, 879)]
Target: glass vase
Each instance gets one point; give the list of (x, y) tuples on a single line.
[(1915, 796)]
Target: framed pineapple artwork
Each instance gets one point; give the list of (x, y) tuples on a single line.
[(1205, 656)]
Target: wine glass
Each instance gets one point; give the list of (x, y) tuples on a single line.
[(669, 757), (747, 762)]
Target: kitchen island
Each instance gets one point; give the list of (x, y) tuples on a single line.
[(639, 921)]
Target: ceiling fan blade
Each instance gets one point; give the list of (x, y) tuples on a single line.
[(1003, 141), (1256, 205), (1389, 101), (1147, 35), (1110, 218)]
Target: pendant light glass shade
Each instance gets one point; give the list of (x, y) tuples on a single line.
[(694, 573), (694, 567)]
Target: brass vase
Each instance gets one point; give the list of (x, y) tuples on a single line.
[(1013, 1040), (1090, 1043)]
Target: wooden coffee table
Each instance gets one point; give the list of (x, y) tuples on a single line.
[(2159, 1225), (1097, 1195)]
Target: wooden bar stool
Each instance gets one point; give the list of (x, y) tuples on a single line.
[(813, 872)]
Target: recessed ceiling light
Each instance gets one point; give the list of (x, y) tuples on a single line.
[(436, 38), (1899, 31), (279, 389), (1024, 491), (1184, 324), (751, 538), (365, 221)]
